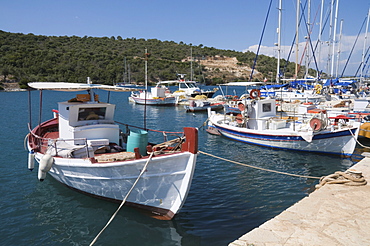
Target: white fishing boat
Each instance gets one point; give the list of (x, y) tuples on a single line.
[(83, 148), (157, 96), (259, 124), (188, 88)]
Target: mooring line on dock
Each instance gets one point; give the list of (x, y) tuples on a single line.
[(353, 135), (124, 200), (259, 168)]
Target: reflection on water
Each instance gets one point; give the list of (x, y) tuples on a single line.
[(225, 200)]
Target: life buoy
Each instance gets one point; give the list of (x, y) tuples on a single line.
[(316, 124), (255, 93), (239, 119), (241, 107), (318, 88)]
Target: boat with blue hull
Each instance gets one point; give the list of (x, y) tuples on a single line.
[(259, 124)]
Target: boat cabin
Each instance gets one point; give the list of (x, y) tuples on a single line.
[(92, 121), (259, 112)]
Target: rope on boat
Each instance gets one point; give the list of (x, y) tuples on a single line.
[(204, 123), (167, 144), (260, 168), (358, 142), (124, 200)]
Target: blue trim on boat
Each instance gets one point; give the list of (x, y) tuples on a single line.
[(281, 138), (267, 137)]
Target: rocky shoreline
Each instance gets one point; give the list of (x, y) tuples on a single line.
[(11, 87)]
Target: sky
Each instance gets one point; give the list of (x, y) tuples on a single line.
[(230, 25)]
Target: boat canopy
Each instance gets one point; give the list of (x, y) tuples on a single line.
[(266, 87), (64, 86), (339, 82), (243, 83)]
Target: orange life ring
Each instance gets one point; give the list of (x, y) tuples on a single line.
[(241, 107), (239, 119), (316, 124), (253, 92)]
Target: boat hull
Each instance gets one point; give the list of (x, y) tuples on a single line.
[(340, 142), (164, 101), (214, 107), (162, 189)]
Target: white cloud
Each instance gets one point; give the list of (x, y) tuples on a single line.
[(346, 44)]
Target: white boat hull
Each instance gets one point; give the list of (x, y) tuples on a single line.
[(162, 189), (338, 142), (155, 101)]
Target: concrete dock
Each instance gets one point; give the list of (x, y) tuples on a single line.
[(335, 214)]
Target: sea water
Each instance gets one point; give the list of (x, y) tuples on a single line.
[(225, 201)]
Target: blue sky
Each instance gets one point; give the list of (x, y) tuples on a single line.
[(234, 24)]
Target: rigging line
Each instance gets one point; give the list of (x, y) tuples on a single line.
[(260, 168), (292, 45), (259, 45), (124, 200), (353, 47), (309, 41), (359, 67), (323, 27)]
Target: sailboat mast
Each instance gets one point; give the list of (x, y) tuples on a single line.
[(279, 44), (308, 37), (146, 69), (320, 34), (334, 38), (330, 36), (297, 39), (364, 48), (125, 74), (191, 63), (339, 48)]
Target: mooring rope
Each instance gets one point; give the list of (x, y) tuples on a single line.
[(204, 123), (356, 139), (124, 200), (350, 177), (260, 168)]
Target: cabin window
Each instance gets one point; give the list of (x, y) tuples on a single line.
[(266, 107), (183, 86), (91, 113)]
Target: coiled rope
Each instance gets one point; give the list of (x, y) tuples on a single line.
[(259, 168), (349, 177), (124, 200)]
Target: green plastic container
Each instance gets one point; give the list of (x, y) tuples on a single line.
[(137, 139)]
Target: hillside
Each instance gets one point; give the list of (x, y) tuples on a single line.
[(29, 57)]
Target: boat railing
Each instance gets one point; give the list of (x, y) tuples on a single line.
[(165, 133), (57, 146)]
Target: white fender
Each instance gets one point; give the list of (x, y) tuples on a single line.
[(45, 165), (31, 160)]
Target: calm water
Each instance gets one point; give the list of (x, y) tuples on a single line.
[(225, 200)]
